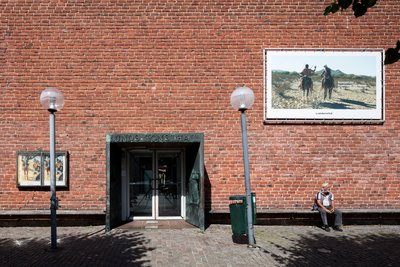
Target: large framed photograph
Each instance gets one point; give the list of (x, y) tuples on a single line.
[(323, 85), (33, 169)]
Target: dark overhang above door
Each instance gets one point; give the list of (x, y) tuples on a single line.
[(155, 138)]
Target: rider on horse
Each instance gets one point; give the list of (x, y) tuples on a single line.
[(306, 81), (327, 82)]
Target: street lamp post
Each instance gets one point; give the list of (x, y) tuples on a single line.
[(242, 99), (53, 100)]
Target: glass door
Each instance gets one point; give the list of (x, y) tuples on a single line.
[(141, 184), (155, 184), (169, 184)]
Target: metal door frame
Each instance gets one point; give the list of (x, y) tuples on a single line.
[(154, 184)]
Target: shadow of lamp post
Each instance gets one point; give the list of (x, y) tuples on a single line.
[(242, 99), (52, 100)]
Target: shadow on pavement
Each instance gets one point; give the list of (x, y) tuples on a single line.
[(96, 249), (321, 250)]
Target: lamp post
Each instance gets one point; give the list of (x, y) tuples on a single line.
[(52, 100), (242, 99)]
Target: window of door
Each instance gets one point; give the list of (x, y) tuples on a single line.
[(156, 184)]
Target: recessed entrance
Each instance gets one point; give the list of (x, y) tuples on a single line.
[(155, 177), (156, 186)]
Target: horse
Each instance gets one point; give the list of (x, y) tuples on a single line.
[(306, 85), (328, 84)]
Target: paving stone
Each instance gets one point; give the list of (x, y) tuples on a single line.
[(276, 246)]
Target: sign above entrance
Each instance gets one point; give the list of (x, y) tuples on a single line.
[(154, 138)]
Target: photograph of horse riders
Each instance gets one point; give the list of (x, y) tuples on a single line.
[(331, 81)]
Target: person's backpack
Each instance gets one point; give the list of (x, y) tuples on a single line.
[(315, 205)]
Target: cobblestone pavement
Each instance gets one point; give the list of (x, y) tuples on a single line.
[(277, 246)]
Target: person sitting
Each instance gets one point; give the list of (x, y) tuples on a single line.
[(325, 204)]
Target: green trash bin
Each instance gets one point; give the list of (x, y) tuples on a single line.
[(238, 216), (238, 213)]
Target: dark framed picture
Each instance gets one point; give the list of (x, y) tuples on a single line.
[(33, 169), (326, 85)]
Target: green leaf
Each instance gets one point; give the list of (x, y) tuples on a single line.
[(369, 3), (327, 10), (344, 4), (391, 56), (335, 8), (359, 9)]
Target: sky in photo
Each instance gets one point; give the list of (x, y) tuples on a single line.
[(357, 63)]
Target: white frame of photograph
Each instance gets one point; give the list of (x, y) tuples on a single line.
[(357, 94)]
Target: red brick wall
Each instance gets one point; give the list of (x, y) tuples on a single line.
[(170, 66)]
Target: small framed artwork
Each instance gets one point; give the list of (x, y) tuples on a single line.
[(61, 169), (324, 85), (29, 169), (33, 169)]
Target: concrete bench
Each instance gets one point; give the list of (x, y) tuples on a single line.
[(42, 217), (309, 217)]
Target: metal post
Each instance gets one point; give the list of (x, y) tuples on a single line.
[(53, 198), (247, 178)]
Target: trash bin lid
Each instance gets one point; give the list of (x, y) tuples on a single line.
[(237, 197)]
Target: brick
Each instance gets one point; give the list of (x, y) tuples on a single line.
[(163, 66)]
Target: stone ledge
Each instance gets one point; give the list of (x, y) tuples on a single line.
[(308, 211), (386, 211), (309, 217), (47, 212), (42, 218)]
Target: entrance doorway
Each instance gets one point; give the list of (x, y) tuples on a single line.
[(155, 176), (156, 184)]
